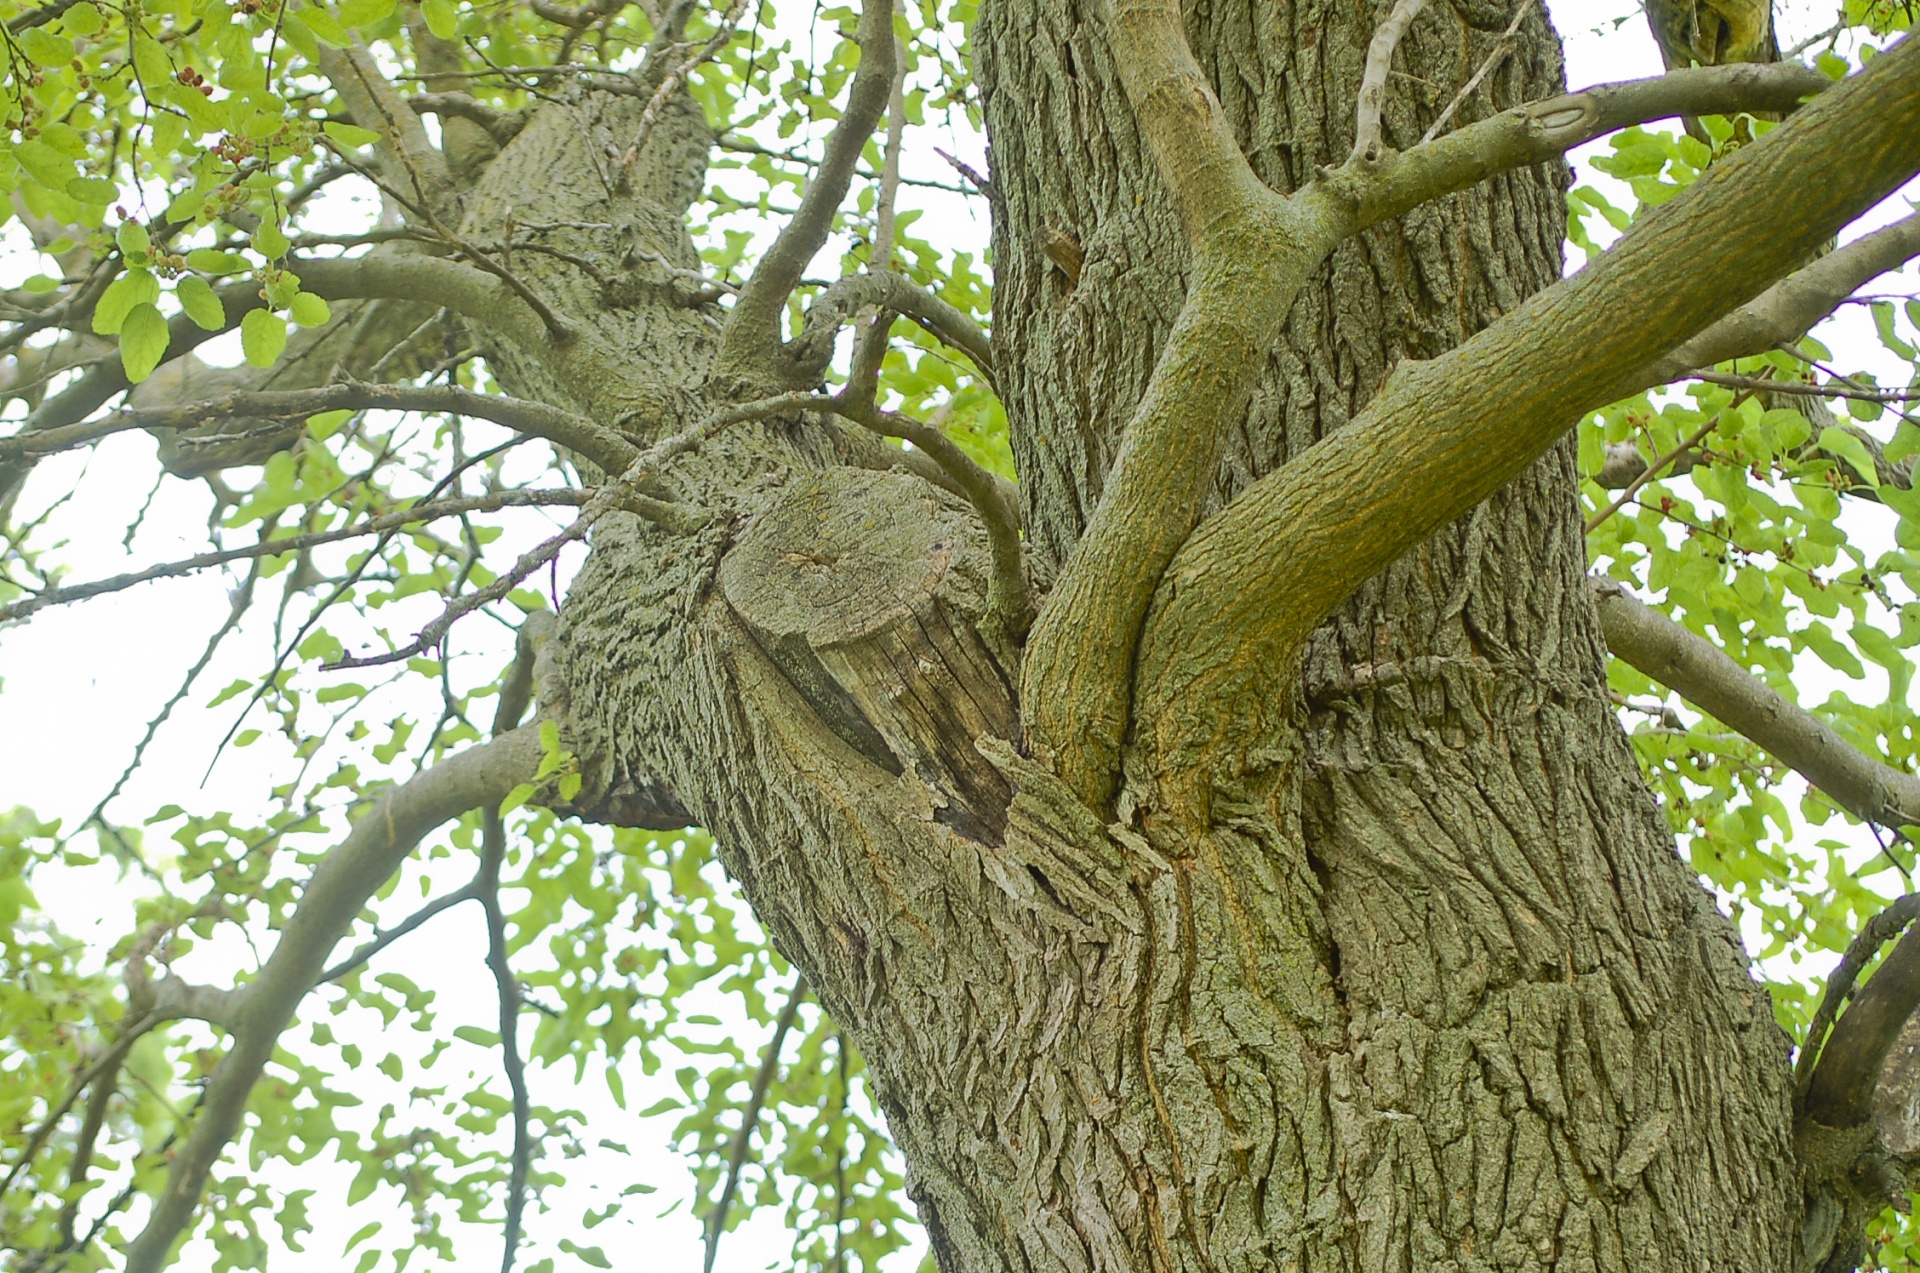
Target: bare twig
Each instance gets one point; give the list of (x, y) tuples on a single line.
[(487, 889), (749, 1120), (387, 936), (1857, 393), (486, 886), (575, 432), (619, 493), (560, 328), (813, 347), (297, 543), (1502, 47), (674, 78), (242, 599), (753, 327), (1373, 83)]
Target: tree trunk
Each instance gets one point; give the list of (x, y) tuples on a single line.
[(1428, 988)]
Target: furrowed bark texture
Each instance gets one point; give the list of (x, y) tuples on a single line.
[(1427, 988), (1545, 1048)]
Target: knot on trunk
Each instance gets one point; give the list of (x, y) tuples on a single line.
[(864, 589)]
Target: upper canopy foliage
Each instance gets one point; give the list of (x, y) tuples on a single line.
[(177, 171)]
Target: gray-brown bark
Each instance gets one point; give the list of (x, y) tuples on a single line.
[(1421, 985), (1432, 990)]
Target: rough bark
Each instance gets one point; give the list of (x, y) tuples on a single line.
[(1421, 985), (1418, 983), (1430, 989)]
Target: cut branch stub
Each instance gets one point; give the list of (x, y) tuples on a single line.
[(861, 587)]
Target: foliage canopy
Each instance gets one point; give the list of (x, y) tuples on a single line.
[(177, 170)]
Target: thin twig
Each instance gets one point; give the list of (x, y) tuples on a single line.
[(674, 78), (515, 693), (242, 599), (1501, 47), (298, 543), (620, 493), (386, 937), (1877, 932), (110, 1059), (575, 432), (1659, 466), (749, 1120), (487, 889), (1373, 83), (1857, 393)]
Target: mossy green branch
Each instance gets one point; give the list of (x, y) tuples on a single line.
[(1233, 611)]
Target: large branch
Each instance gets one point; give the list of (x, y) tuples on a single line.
[(1393, 182), (1701, 673), (578, 433), (463, 289), (1779, 316), (408, 158), (752, 333), (1788, 310), (1235, 609), (103, 380), (1841, 1092), (1252, 251), (380, 840)]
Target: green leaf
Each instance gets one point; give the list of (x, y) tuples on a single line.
[(441, 17), (475, 1035), (200, 304), (309, 310), (39, 283), (325, 27), (592, 1255), (363, 13), (143, 341), (515, 798), (1849, 448), (350, 134), (210, 261), (44, 164), (263, 334), (94, 190), (44, 48), (132, 238), (270, 241), (137, 286), (84, 19), (326, 424)]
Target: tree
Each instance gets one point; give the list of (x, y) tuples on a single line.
[(1220, 848)]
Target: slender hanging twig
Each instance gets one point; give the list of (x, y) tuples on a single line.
[(749, 1119), (487, 889)]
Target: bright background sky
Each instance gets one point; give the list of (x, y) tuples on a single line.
[(80, 683)]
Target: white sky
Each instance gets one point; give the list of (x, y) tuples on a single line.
[(80, 683)]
